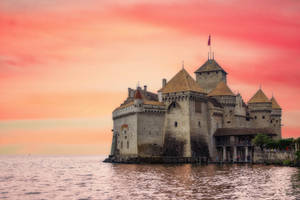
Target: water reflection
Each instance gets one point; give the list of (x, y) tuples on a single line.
[(88, 178)]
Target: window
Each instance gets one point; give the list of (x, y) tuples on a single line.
[(255, 117), (122, 145), (149, 132), (127, 144), (271, 121), (175, 124), (199, 123), (228, 122), (198, 106), (263, 117), (125, 137)]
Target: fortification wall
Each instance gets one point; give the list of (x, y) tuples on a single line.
[(177, 128), (209, 80), (199, 127), (272, 156), (125, 129), (150, 133)]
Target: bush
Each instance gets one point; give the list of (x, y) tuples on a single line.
[(297, 155), (261, 140), (287, 162)]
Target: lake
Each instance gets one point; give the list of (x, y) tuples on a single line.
[(86, 177)]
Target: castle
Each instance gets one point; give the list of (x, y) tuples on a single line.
[(190, 119)]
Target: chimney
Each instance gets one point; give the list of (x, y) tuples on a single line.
[(145, 88), (164, 82)]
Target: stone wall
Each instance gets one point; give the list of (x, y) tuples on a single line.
[(125, 130), (177, 128), (150, 133), (209, 80), (272, 156)]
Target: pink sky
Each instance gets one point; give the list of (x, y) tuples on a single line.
[(65, 65)]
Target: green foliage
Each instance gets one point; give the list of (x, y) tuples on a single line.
[(297, 141), (261, 140), (298, 155), (287, 162), (264, 141)]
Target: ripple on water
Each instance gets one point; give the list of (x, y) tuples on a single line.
[(87, 178)]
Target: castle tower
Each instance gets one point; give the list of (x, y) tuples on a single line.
[(186, 117), (260, 108), (228, 100), (276, 117), (138, 99), (210, 74)]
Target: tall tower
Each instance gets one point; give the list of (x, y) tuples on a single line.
[(276, 117), (210, 74), (260, 108)]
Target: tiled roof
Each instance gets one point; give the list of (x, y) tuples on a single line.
[(155, 103), (182, 81), (209, 66), (243, 131), (275, 105), (137, 94), (259, 97), (221, 90)]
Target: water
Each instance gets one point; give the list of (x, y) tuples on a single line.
[(85, 177)]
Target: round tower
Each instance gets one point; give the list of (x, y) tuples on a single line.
[(260, 108), (276, 117)]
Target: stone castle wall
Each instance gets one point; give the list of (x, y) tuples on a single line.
[(150, 133)]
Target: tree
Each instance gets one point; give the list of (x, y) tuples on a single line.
[(261, 140)]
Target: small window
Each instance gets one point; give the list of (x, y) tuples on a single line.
[(175, 124), (271, 121), (276, 121), (255, 117), (228, 122), (263, 117), (127, 144), (122, 145), (199, 124), (125, 137)]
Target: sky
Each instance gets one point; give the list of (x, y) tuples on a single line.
[(65, 65)]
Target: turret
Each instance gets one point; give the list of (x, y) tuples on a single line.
[(260, 108), (276, 117), (138, 98), (227, 99), (210, 74)]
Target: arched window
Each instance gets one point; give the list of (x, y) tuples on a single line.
[(175, 124)]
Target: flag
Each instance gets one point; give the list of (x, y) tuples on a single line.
[(208, 40)]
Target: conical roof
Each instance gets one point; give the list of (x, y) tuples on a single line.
[(137, 94), (209, 66), (275, 105), (182, 81), (259, 97), (221, 90)]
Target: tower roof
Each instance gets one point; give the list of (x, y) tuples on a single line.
[(259, 97), (182, 81), (222, 89), (137, 94), (209, 66), (275, 105)]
